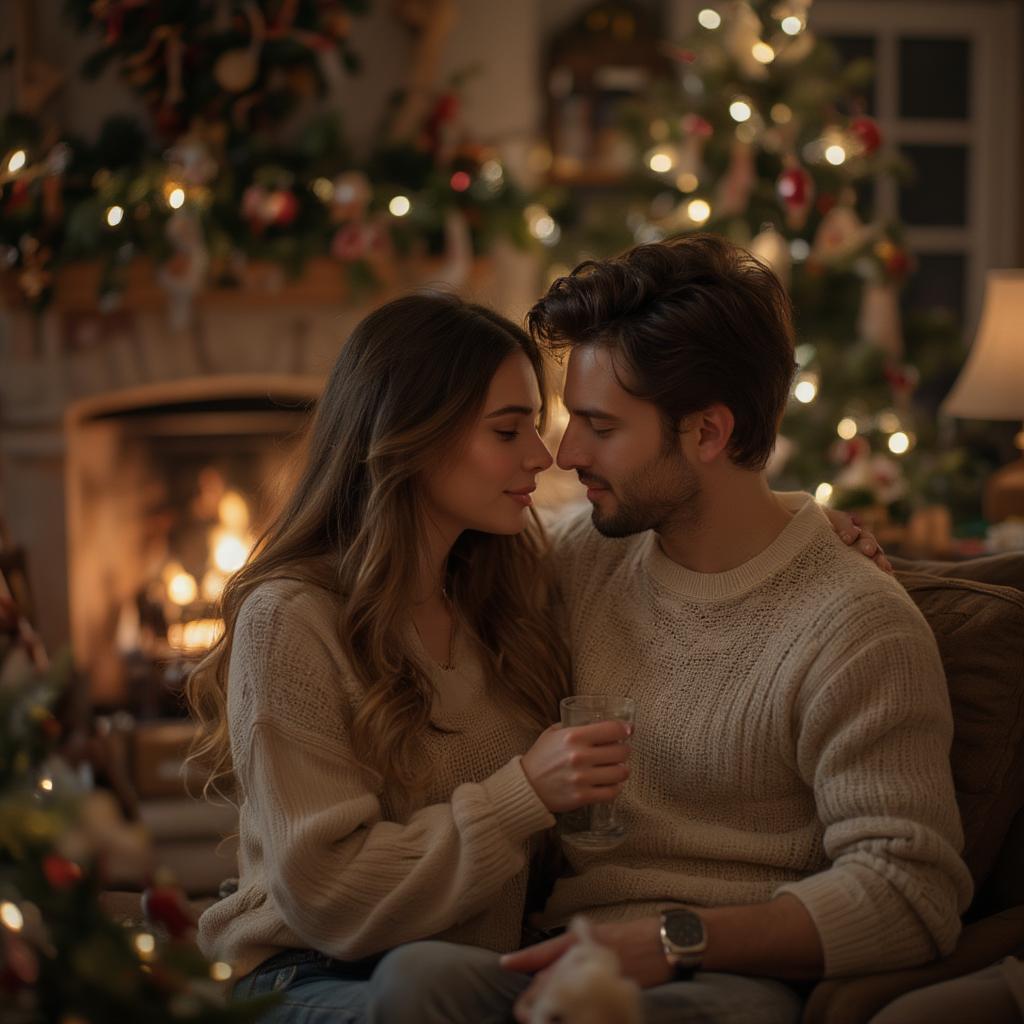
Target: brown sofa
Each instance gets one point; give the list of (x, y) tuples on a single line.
[(976, 610)]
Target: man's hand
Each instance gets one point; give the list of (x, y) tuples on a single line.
[(850, 532), (636, 943)]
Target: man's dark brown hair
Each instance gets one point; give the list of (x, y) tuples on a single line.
[(693, 322)]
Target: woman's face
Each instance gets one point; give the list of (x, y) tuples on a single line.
[(485, 484)]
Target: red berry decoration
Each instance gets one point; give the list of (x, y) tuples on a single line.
[(166, 905), (867, 132), (60, 872)]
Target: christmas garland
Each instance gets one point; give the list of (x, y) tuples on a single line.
[(239, 161)]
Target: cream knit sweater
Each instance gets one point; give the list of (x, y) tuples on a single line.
[(325, 861), (792, 735)]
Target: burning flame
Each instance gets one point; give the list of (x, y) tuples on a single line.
[(181, 588), (195, 636), (229, 550), (233, 512)]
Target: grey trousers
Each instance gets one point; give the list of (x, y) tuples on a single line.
[(443, 983)]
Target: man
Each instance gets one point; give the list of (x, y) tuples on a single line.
[(790, 812)]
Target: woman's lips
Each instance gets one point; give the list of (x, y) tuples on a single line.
[(525, 497)]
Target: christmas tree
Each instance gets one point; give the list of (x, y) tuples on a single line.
[(762, 135), (62, 959)]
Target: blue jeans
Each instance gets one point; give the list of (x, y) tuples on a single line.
[(312, 988), (393, 989), (443, 983)]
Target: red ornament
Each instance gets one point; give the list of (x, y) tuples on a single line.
[(446, 108), (795, 187), (282, 207), (866, 130), (694, 124), (897, 264), (460, 181), (60, 872), (165, 905), (19, 196)]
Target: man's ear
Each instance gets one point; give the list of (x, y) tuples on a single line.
[(711, 430)]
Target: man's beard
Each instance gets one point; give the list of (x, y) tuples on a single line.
[(661, 492)]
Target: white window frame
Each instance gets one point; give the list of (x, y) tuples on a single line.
[(991, 236)]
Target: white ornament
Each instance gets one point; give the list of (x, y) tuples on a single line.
[(585, 986)]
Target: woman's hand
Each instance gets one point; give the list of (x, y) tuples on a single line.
[(578, 765), (850, 532)]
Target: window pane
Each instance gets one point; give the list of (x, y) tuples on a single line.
[(939, 282), (937, 195), (935, 77), (853, 48)]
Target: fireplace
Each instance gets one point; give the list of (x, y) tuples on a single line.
[(168, 485)]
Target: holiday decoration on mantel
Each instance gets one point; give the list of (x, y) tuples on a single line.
[(242, 160), (764, 136), (62, 959)]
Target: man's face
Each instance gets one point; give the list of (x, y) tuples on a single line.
[(636, 475)]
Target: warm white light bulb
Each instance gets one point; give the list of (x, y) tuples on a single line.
[(709, 18), (10, 916), (899, 443), (17, 161), (400, 206), (805, 391), (762, 52), (176, 198), (660, 161), (698, 210), (835, 154), (847, 428), (823, 493), (740, 110), (792, 25), (115, 214)]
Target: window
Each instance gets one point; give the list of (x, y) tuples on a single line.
[(947, 95)]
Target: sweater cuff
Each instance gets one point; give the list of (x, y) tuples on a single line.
[(848, 926), (516, 805)]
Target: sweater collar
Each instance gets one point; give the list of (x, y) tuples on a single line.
[(807, 523)]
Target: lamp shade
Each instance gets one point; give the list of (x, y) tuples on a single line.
[(991, 384)]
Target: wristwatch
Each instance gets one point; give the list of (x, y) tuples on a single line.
[(684, 940)]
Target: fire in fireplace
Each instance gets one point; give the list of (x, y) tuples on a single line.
[(168, 488)]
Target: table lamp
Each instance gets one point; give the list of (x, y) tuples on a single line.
[(991, 384)]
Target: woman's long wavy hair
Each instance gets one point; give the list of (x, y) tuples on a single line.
[(404, 390)]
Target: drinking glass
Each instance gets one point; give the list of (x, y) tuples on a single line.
[(597, 826)]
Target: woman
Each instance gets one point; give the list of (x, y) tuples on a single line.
[(389, 651)]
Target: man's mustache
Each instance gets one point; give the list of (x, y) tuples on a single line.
[(593, 481)]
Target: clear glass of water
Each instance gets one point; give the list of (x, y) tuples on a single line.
[(597, 826)]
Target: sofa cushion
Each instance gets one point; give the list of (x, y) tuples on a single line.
[(979, 629)]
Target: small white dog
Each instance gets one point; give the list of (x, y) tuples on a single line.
[(585, 986)]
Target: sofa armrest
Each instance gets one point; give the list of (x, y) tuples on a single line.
[(857, 999)]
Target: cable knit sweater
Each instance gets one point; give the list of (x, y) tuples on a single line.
[(792, 735), (325, 860)]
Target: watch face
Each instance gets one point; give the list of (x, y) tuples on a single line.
[(684, 929)]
